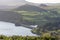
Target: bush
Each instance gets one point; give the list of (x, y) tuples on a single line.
[(46, 36)]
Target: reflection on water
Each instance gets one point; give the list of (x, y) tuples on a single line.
[(10, 29)]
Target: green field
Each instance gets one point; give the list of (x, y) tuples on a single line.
[(39, 17)]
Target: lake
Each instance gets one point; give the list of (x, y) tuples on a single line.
[(9, 29)]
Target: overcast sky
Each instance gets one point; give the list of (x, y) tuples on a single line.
[(18, 2), (44, 1), (10, 2)]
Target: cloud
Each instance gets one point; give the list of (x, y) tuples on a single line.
[(44, 1), (19, 2)]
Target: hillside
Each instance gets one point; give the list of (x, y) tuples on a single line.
[(29, 8), (35, 17), (47, 20), (9, 16)]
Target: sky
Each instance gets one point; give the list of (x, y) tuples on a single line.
[(18, 2), (10, 2), (44, 1)]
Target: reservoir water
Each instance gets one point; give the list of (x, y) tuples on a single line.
[(9, 29)]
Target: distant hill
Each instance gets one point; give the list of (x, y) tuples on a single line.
[(30, 8), (50, 6)]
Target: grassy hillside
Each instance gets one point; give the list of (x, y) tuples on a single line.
[(47, 21), (38, 18), (42, 19)]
